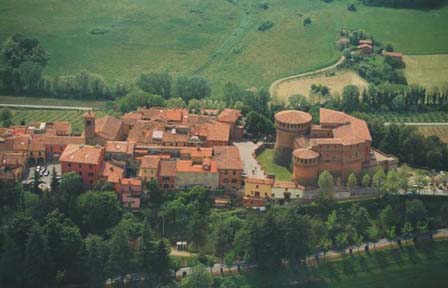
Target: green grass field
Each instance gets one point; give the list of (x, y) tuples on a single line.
[(398, 268), (213, 38), (48, 115), (265, 159)]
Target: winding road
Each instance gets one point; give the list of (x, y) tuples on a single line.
[(274, 85)]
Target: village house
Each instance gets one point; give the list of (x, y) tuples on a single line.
[(230, 167), (149, 167), (287, 190), (258, 187), (84, 160)]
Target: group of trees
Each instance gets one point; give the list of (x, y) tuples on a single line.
[(408, 144), (72, 236)]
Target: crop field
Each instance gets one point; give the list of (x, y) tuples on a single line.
[(335, 82), (48, 115), (218, 39), (440, 131), (269, 167), (427, 70)]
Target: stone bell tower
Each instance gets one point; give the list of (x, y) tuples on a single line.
[(89, 127)]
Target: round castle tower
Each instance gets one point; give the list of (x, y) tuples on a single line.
[(289, 124), (306, 166)]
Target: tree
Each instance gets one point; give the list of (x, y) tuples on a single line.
[(198, 278), (54, 185), (138, 98), (444, 214), (96, 254), (351, 7), (391, 234), (374, 233), (415, 211), (30, 75), (307, 21), (378, 180), (19, 48), (156, 83), (392, 183), (98, 211), (257, 124), (146, 257), (162, 258), (365, 181), (352, 182), (297, 241), (121, 254), (6, 117), (350, 98), (192, 88), (64, 240), (36, 182), (326, 184), (407, 230), (155, 193), (38, 263), (299, 102)]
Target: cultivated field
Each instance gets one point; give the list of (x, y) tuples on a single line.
[(217, 39), (427, 70), (440, 131), (335, 82), (47, 115)]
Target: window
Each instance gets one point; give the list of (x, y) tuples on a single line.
[(225, 172), (90, 174), (69, 164), (256, 186), (234, 172), (90, 166), (226, 180), (91, 182), (80, 174), (80, 165), (234, 181)]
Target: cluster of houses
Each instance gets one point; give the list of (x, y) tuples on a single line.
[(172, 146), (365, 47)]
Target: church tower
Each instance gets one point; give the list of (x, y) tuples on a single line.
[(89, 127)]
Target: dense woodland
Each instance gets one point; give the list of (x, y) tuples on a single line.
[(73, 236)]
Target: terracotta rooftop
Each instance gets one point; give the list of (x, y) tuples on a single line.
[(150, 162), (108, 127), (259, 181), (229, 115), (12, 159), (131, 181), (119, 147), (217, 131), (227, 157), (393, 54), (167, 168), (349, 126), (83, 154), (305, 154), (111, 172), (293, 117), (21, 143), (188, 166)]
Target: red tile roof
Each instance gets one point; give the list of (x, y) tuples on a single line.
[(83, 154), (150, 162), (305, 154), (119, 147), (111, 172), (167, 168), (229, 115), (293, 117), (108, 127), (131, 181), (188, 166), (227, 157), (350, 127)]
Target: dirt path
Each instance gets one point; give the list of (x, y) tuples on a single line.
[(274, 86), (47, 107)]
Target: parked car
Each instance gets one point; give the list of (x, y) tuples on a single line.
[(46, 173)]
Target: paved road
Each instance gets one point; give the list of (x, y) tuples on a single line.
[(419, 123), (47, 107), (273, 88), (251, 166)]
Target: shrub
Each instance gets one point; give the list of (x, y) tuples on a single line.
[(265, 26)]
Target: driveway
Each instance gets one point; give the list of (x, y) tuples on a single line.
[(251, 166)]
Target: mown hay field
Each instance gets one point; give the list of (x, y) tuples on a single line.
[(427, 70)]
